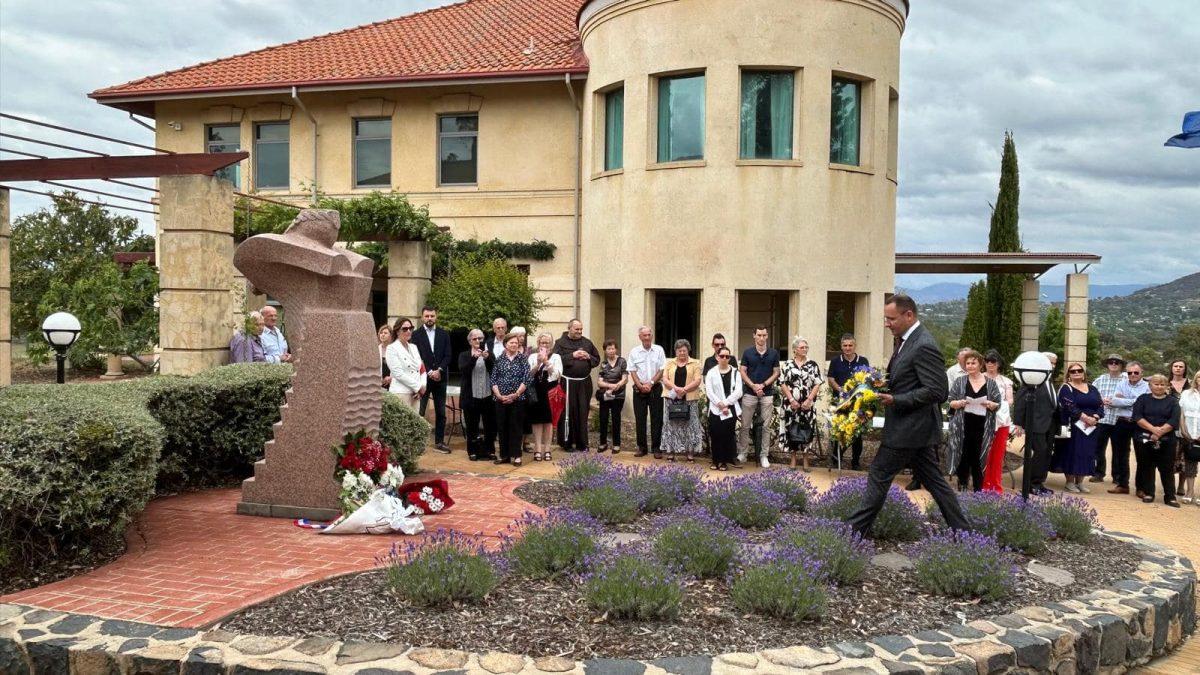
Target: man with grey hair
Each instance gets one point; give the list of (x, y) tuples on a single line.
[(645, 365), (1126, 394), (579, 356), (956, 371), (274, 344)]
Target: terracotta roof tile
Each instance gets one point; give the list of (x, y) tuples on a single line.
[(475, 38)]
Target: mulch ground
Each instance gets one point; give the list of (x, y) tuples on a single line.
[(542, 618)]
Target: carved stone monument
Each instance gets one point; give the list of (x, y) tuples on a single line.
[(335, 390)]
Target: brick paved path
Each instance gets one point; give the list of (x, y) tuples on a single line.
[(193, 560)]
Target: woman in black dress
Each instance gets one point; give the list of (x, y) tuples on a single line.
[(723, 388), (385, 339), (545, 369)]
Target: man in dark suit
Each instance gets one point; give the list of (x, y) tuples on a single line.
[(1038, 407), (913, 425), (434, 345), (494, 342)]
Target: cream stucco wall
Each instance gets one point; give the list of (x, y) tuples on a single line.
[(723, 225), (526, 159)]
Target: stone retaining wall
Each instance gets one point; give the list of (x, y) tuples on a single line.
[(1106, 631)]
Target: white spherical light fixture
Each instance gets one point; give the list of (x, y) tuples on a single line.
[(61, 329)]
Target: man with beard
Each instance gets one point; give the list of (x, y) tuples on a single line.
[(579, 356)]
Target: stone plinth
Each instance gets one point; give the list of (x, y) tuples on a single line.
[(1031, 291), (195, 248), (335, 390), (5, 292), (410, 267), (1076, 319)]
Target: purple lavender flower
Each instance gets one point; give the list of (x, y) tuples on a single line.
[(541, 546), (781, 582), (1073, 518), (1015, 523), (446, 567), (843, 553), (899, 520), (743, 500), (576, 472), (699, 542), (627, 582), (964, 564)]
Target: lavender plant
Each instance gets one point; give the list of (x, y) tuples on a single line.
[(581, 470), (964, 564), (701, 543), (784, 583), (797, 492), (445, 568), (608, 499), (898, 520), (843, 553), (1072, 518), (544, 546), (627, 583), (1017, 524), (743, 500)]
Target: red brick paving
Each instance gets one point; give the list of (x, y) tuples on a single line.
[(192, 560)]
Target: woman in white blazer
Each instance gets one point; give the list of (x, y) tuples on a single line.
[(406, 366), (723, 388)]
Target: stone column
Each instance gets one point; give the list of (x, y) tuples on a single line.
[(718, 314), (807, 316), (1031, 292), (410, 269), (5, 295), (195, 273), (1076, 319)]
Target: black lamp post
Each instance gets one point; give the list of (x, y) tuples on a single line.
[(1032, 369), (61, 329)]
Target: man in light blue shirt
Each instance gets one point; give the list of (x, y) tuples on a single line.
[(1122, 400), (274, 344)]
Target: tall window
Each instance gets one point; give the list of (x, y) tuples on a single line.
[(614, 129), (681, 118), (458, 144), (271, 155), (224, 138), (767, 100), (373, 153), (845, 122)]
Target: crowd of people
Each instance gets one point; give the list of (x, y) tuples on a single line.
[(517, 398)]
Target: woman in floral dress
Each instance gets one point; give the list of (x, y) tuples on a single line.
[(799, 382)]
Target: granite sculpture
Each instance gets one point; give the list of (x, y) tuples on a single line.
[(335, 390)]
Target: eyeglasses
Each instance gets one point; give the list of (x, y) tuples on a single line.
[(405, 329), (1134, 372), (722, 356), (1075, 371)]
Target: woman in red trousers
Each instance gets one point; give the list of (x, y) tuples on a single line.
[(993, 473)]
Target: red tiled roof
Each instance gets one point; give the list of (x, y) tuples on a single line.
[(475, 38)]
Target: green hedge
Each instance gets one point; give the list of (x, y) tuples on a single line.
[(404, 431), (77, 463)]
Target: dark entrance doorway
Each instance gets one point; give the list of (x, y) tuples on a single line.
[(676, 315)]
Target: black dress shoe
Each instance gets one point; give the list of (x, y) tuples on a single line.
[(1173, 504)]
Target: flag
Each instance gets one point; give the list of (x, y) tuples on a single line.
[(1190, 138)]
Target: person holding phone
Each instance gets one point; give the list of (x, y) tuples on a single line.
[(545, 369)]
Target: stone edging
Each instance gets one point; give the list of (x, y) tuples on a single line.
[(1107, 630)]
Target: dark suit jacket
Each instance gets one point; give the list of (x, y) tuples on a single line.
[(436, 355), (1041, 404), (917, 381)]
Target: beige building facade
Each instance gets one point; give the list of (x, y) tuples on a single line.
[(716, 165)]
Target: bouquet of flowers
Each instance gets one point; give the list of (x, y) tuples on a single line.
[(362, 468), (858, 404)]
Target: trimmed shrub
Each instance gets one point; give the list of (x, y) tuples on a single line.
[(1014, 523), (964, 564), (659, 488), (898, 520), (701, 543), (742, 500), (77, 464), (1072, 518), (404, 431), (797, 492), (445, 568), (784, 583), (626, 583), (843, 553), (583, 469), (538, 547), (608, 502)]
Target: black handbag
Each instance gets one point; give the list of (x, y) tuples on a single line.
[(1191, 450), (799, 434), (679, 410)]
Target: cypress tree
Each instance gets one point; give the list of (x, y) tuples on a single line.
[(975, 323), (1004, 290)]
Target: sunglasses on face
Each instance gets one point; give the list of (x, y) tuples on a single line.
[(1134, 372), (722, 356), (1074, 371), (405, 329)]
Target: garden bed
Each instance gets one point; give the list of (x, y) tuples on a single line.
[(552, 617)]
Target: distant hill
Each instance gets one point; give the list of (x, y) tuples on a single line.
[(1053, 293)]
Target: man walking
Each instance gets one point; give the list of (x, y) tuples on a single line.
[(434, 345), (1106, 385), (1128, 391), (645, 366), (913, 425), (578, 356), (274, 344), (759, 370), (840, 369)]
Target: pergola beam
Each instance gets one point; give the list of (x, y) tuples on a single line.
[(122, 166)]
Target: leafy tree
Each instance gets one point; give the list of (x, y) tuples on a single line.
[(1004, 290), (66, 243), (115, 309), (481, 288), (1186, 345), (1093, 349), (1053, 335), (975, 323)]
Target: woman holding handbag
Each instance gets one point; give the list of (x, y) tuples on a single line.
[(723, 387), (799, 382), (1189, 438), (681, 394)]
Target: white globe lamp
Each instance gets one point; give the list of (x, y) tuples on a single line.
[(61, 330)]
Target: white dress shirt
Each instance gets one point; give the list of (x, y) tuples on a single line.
[(646, 362)]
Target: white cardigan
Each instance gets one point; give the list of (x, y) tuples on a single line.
[(715, 391), (408, 371), (553, 363)]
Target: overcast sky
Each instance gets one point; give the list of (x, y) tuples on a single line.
[(1091, 90)]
